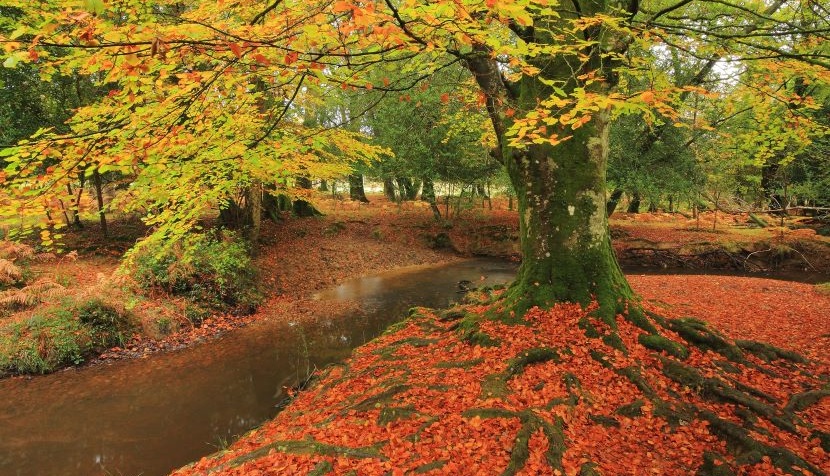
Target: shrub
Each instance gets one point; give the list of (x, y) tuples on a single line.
[(60, 336), (215, 272), (106, 325)]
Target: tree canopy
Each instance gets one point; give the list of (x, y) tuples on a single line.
[(203, 99)]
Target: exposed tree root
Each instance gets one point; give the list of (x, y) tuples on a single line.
[(564, 391)]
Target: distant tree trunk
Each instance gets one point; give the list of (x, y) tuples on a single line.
[(671, 203), (272, 206), (356, 190), (613, 201), (652, 207), (428, 195), (99, 195), (634, 204), (389, 189), (406, 188), (254, 205), (303, 208), (324, 186)]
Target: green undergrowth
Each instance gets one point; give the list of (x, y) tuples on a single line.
[(62, 335), (212, 270)]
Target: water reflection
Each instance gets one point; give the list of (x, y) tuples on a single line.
[(149, 416)]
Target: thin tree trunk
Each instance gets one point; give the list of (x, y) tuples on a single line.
[(254, 206), (428, 195), (99, 195)]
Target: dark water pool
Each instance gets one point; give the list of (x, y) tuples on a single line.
[(149, 416)]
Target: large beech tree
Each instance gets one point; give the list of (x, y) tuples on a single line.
[(209, 97), (189, 81)]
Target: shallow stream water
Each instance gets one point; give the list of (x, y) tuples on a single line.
[(149, 416)]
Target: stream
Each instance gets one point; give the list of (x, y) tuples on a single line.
[(149, 416)]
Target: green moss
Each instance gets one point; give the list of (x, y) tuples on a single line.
[(376, 401), (590, 329), (604, 420), (824, 439), (697, 333), (601, 358), (750, 451), (307, 447), (517, 364), (802, 401), (660, 343), (769, 352), (714, 465), (589, 468), (631, 410), (615, 342), (717, 390), (463, 364), (452, 315), (390, 414), (639, 318), (323, 467)]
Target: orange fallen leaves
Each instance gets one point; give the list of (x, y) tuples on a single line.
[(438, 382)]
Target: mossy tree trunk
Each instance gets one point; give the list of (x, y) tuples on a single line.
[(565, 242), (560, 189)]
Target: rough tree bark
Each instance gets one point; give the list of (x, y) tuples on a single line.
[(561, 189)]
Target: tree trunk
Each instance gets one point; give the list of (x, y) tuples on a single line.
[(406, 189), (324, 186), (356, 190), (303, 208), (634, 204), (613, 201), (99, 195), (254, 204), (428, 195), (566, 246), (389, 189)]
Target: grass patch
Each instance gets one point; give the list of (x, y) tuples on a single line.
[(60, 336)]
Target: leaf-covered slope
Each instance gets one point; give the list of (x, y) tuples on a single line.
[(549, 399)]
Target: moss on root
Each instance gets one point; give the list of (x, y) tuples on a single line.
[(751, 451), (768, 353), (802, 401), (531, 422), (664, 344), (517, 364), (717, 390), (307, 447), (697, 333)]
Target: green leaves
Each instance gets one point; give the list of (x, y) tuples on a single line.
[(94, 6)]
